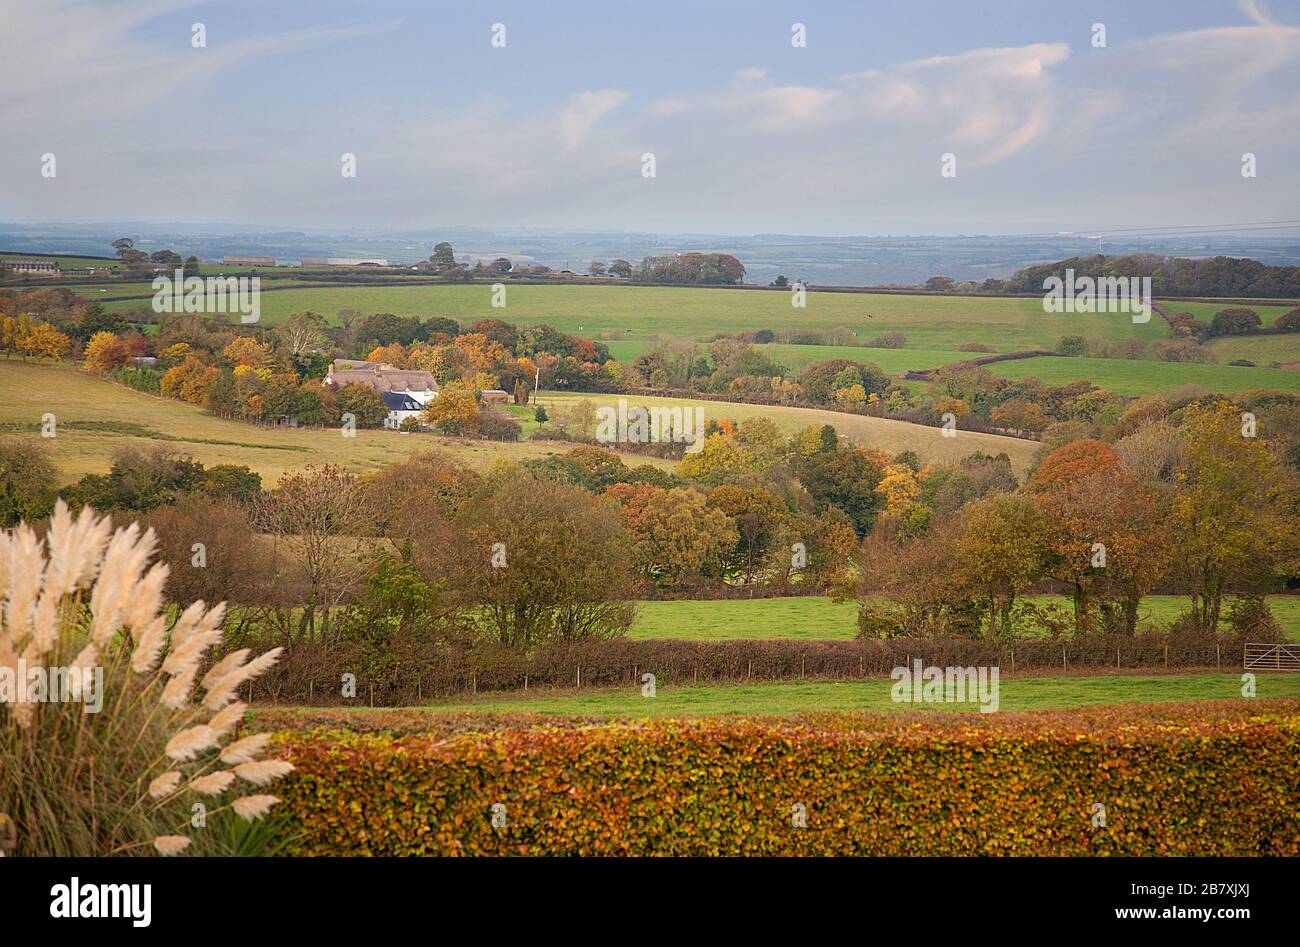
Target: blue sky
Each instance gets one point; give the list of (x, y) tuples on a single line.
[(749, 133)]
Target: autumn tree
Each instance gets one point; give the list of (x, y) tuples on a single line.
[(105, 352), (757, 516), (189, 381), (313, 519), (213, 554), (455, 410), (42, 340), (537, 561), (1064, 488), (1000, 551), (678, 539), (28, 481), (1233, 512)]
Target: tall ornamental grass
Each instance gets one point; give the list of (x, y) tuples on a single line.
[(159, 767)]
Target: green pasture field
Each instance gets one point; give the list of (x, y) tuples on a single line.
[(1263, 350), (95, 417), (1204, 311), (1122, 376), (811, 617), (640, 313), (790, 697), (1132, 377), (61, 260), (892, 437), (629, 319)]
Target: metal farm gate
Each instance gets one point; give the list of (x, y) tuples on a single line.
[(1272, 657)]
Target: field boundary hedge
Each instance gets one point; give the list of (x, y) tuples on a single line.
[(1193, 783), (403, 672)]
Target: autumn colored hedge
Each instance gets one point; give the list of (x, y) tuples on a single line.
[(1187, 781)]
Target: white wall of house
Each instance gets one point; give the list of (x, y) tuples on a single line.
[(395, 418)]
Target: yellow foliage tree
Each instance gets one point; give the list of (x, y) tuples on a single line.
[(43, 340), (455, 410), (104, 352)]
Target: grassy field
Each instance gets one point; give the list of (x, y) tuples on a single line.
[(630, 318), (1130, 377), (871, 694), (639, 313), (805, 617), (1122, 376), (1263, 350), (97, 417), (61, 260), (891, 437), (811, 617), (1205, 311)]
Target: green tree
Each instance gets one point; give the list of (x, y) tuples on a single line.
[(28, 481), (364, 403), (443, 255), (1000, 552), (537, 561)]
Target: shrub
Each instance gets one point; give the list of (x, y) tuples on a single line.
[(141, 379), (1071, 345), (1234, 322), (973, 347), (496, 425), (890, 340), (1217, 780), (1288, 321)]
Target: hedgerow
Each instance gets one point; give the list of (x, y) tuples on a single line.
[(1186, 782), (410, 670)]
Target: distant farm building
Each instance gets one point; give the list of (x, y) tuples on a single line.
[(421, 387), (495, 396), (33, 267), (342, 261), (248, 260)]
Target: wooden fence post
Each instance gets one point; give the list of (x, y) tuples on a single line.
[(579, 675)]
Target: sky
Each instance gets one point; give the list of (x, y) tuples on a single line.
[(1049, 130)]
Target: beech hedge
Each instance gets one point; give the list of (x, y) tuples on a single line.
[(1195, 779)]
